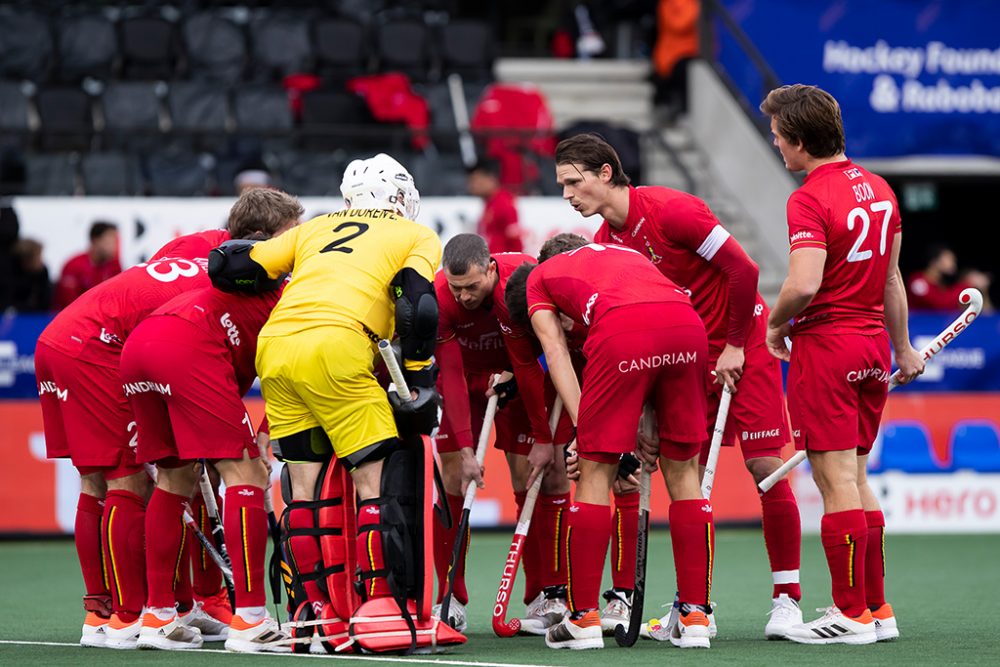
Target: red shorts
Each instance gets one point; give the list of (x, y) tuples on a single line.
[(85, 415), (655, 352), (183, 390), (837, 387), (757, 415), (513, 430)]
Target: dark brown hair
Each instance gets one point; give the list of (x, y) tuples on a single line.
[(592, 152), (560, 243), (262, 210), (463, 251), (516, 294), (807, 116)]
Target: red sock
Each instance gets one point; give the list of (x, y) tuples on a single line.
[(444, 545), (875, 560), (245, 524), (845, 536), (783, 538), (183, 590), (371, 558), (166, 544), (624, 536), (124, 541), (550, 513), (304, 551), (207, 578), (692, 534), (587, 537), (87, 535)]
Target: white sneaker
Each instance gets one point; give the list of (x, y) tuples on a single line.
[(784, 614), (660, 629), (545, 611), (692, 628), (833, 627), (456, 615), (170, 634), (885, 623), (263, 636), (616, 612), (578, 635), (211, 628), (93, 634), (121, 635)]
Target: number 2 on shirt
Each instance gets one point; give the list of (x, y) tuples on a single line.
[(338, 244), (883, 207)]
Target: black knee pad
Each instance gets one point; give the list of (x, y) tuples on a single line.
[(309, 446)]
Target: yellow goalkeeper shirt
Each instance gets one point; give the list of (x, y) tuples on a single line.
[(341, 265)]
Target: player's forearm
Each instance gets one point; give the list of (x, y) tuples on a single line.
[(896, 311), (553, 340), (455, 392), (742, 275), (792, 300), (530, 384)]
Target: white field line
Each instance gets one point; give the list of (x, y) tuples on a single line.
[(368, 658)]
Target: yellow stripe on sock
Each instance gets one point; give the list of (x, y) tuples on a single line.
[(203, 526), (555, 556), (569, 571), (711, 558), (618, 535), (104, 556), (111, 552), (850, 560), (371, 560), (179, 561), (246, 549), (882, 542)]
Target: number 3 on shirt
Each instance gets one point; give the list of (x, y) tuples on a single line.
[(883, 207)]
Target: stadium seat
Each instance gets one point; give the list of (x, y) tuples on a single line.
[(177, 173), (333, 119), (13, 107), (262, 108), (404, 46), (87, 45), (110, 174), (443, 128), (215, 46), (51, 174), (26, 50), (340, 49), (468, 49), (201, 107), (280, 44), (906, 446), (439, 175), (309, 174), (975, 445), (150, 48), (66, 120), (133, 114)]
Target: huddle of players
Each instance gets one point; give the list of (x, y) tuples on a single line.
[(663, 297)]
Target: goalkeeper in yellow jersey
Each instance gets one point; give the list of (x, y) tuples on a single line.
[(358, 275)]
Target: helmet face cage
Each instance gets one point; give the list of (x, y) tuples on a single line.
[(380, 182)]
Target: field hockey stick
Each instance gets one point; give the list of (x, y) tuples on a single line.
[(215, 522), (628, 637), (713, 451), (470, 496), (501, 627), (277, 552), (227, 571), (395, 372), (970, 296)]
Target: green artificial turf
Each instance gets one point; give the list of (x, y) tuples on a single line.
[(945, 590)]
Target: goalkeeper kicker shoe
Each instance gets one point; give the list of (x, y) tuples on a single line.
[(578, 634), (164, 629), (885, 623), (617, 611), (833, 627)]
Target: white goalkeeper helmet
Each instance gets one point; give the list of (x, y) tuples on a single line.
[(380, 182)]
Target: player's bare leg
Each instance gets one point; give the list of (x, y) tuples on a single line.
[(123, 539), (844, 532), (885, 621), (588, 537), (545, 550), (167, 565), (783, 539), (692, 533), (87, 536)]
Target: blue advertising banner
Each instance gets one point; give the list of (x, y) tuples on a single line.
[(912, 77)]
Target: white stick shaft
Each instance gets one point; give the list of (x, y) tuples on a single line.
[(968, 296), (484, 438), (524, 521), (395, 372), (713, 451), (208, 493)]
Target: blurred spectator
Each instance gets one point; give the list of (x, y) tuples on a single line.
[(936, 287), (499, 222), (99, 263), (676, 44), (31, 290), (8, 237), (252, 174)]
